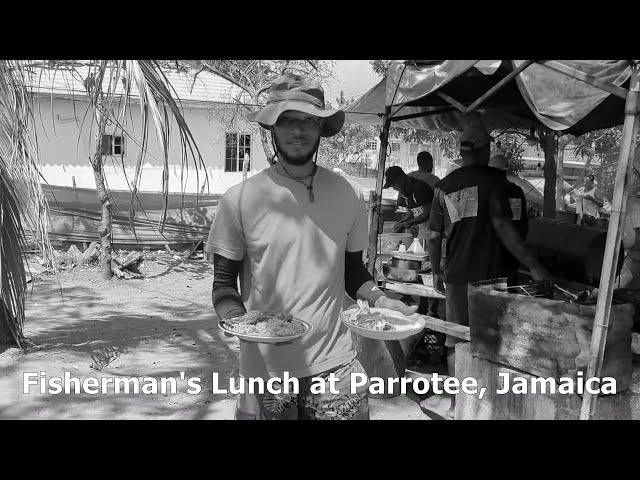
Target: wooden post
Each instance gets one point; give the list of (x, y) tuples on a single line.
[(548, 142), (624, 176), (376, 203)]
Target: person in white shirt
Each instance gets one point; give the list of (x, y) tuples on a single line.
[(589, 200)]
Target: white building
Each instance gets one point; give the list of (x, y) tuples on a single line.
[(65, 135)]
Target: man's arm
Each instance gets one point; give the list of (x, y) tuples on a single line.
[(501, 215), (423, 217), (512, 240), (434, 244), (597, 198), (226, 299), (360, 285)]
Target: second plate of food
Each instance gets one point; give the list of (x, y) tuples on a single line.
[(382, 323)]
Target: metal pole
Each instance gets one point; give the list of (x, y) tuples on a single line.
[(614, 234), (375, 203)]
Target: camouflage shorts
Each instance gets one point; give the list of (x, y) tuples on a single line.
[(310, 406)]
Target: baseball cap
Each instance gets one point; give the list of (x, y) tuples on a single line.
[(474, 136), (391, 175), (499, 161)]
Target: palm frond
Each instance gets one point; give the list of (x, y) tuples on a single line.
[(21, 196)]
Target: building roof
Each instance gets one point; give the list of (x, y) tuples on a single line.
[(205, 87)]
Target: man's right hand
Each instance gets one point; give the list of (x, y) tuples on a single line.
[(398, 226), (438, 283)]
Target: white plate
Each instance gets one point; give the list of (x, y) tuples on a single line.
[(259, 339), (406, 325)]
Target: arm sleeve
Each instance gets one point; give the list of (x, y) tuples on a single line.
[(357, 280), (225, 297)]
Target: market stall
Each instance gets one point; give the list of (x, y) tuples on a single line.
[(568, 96)]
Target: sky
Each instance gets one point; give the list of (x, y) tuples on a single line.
[(354, 77)]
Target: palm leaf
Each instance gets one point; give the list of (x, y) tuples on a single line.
[(21, 196)]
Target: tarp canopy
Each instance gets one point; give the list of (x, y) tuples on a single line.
[(538, 95)]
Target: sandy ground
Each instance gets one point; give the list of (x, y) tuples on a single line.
[(157, 326)]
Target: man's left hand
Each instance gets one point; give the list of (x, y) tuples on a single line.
[(397, 305)]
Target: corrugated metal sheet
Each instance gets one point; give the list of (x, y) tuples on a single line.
[(205, 87)]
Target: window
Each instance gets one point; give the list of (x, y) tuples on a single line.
[(413, 149), (113, 145), (395, 146), (372, 145), (237, 146)]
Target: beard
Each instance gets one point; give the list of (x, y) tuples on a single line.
[(291, 158)]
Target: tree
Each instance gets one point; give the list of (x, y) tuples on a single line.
[(253, 78), (108, 85), (351, 140), (380, 66)]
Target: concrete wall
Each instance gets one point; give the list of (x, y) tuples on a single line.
[(66, 142), (510, 406)]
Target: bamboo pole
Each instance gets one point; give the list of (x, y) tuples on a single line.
[(375, 203), (614, 234)]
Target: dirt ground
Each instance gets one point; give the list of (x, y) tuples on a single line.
[(156, 326)]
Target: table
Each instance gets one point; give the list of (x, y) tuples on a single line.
[(435, 324)]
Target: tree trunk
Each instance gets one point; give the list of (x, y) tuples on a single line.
[(548, 142), (560, 191), (245, 163), (266, 145), (103, 196), (6, 337)]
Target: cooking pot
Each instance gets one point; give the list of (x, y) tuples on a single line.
[(407, 264), (400, 274)]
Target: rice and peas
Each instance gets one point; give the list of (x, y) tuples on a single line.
[(265, 324)]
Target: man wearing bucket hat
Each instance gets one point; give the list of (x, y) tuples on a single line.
[(471, 209), (295, 234)]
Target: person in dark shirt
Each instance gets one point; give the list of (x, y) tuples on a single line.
[(418, 195), (518, 204), (471, 209)]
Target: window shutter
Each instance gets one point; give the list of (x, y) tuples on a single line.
[(106, 145)]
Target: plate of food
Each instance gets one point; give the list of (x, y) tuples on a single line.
[(382, 323), (265, 327)]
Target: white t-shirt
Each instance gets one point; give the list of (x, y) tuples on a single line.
[(292, 254)]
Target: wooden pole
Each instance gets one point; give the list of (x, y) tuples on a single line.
[(616, 224), (375, 203), (497, 86), (548, 142)]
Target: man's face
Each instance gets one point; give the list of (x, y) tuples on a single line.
[(297, 136), (588, 183)]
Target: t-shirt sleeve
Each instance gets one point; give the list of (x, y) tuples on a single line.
[(436, 218), (358, 237), (226, 236)]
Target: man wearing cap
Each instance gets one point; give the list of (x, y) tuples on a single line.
[(418, 196), (518, 205), (424, 173), (471, 209), (294, 234)]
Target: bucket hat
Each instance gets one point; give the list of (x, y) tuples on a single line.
[(303, 94)]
